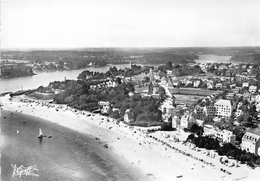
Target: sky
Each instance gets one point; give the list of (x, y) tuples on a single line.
[(130, 23)]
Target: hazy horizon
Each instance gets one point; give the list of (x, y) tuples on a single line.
[(129, 24), (82, 48)]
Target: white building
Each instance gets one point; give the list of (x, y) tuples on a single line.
[(176, 122), (223, 108), (252, 89), (257, 99), (105, 106), (245, 84), (218, 85), (128, 116), (224, 136), (167, 109), (251, 143), (196, 83), (187, 121)]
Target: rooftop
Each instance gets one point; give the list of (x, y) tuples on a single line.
[(223, 102)]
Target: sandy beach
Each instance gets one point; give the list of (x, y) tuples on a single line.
[(150, 156)]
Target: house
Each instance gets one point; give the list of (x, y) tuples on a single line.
[(239, 110), (187, 121), (169, 72), (164, 80), (245, 84), (131, 94), (247, 94), (167, 110), (217, 119), (252, 89), (104, 105), (257, 99), (176, 83), (210, 111), (196, 83), (199, 122), (210, 85), (199, 111), (228, 137), (188, 82), (224, 136), (128, 116), (235, 90), (176, 121), (230, 95), (155, 89), (219, 85), (251, 143), (223, 108)]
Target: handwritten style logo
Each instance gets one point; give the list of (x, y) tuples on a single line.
[(19, 171)]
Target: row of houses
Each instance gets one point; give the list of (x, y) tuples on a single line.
[(250, 141)]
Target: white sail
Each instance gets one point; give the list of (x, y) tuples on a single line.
[(40, 132)]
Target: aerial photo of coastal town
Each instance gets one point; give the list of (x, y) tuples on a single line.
[(151, 90)]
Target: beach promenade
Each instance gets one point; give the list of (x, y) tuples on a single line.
[(151, 156)]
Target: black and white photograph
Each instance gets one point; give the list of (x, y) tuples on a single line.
[(130, 90)]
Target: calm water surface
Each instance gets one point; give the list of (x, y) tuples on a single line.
[(43, 79), (66, 156), (213, 59)]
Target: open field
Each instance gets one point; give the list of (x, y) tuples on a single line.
[(192, 91), (186, 99)]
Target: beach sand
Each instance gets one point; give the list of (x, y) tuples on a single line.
[(150, 159)]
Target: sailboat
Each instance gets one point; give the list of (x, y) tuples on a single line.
[(40, 133)]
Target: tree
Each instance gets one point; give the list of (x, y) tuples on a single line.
[(161, 92), (166, 126), (168, 66), (150, 88), (118, 80), (190, 137)]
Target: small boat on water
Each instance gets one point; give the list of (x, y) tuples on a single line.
[(40, 133), (18, 132)]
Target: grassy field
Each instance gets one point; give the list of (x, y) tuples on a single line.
[(192, 91), (186, 99)]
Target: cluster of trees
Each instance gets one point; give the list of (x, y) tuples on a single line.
[(246, 57), (78, 94), (238, 154), (163, 57), (18, 70), (146, 110), (204, 142), (113, 72), (226, 149), (179, 69)]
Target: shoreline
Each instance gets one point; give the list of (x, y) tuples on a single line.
[(133, 147), (79, 149)]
